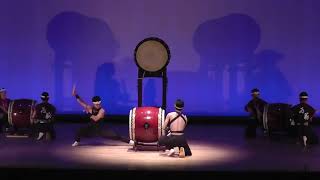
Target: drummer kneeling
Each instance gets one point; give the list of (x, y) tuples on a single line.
[(43, 115), (176, 121)]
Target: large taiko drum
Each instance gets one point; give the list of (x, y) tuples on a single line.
[(276, 117), (145, 124), (20, 112)]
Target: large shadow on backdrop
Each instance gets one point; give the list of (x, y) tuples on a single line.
[(228, 66), (114, 94), (84, 49), (151, 86), (263, 72)]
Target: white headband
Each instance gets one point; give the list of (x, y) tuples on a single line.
[(44, 96), (304, 97), (255, 93), (98, 102)]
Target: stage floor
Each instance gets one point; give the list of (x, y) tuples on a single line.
[(215, 148)]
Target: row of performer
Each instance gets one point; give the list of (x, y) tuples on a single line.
[(169, 133), (295, 120), (169, 136)]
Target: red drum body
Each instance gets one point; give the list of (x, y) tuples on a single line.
[(145, 124), (276, 117), (20, 112)]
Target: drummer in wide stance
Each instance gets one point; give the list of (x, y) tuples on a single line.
[(177, 122), (302, 116), (255, 107), (95, 126)]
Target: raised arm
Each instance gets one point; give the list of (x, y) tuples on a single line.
[(80, 101)]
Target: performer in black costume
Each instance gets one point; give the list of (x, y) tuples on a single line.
[(255, 107), (302, 116), (95, 127), (44, 117), (177, 122)]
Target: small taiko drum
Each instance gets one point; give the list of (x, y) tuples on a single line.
[(145, 124), (20, 113)]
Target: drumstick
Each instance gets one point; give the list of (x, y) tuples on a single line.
[(74, 89)]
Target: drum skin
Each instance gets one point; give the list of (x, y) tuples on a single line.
[(152, 54), (145, 124), (276, 117), (19, 113)]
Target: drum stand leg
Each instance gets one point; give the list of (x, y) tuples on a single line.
[(140, 82), (147, 147)]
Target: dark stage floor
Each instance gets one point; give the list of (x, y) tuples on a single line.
[(216, 149)]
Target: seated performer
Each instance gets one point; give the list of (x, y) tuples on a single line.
[(177, 122), (255, 107), (302, 116), (4, 104), (43, 115), (95, 126)]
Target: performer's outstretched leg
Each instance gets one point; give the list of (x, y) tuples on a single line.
[(86, 131), (110, 134)]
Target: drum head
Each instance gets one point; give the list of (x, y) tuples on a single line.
[(152, 54), (145, 124)]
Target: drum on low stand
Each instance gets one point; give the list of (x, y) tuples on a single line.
[(20, 113), (145, 125), (276, 118)]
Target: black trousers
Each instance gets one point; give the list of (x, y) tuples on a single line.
[(45, 128), (293, 131), (175, 141), (307, 131), (93, 129)]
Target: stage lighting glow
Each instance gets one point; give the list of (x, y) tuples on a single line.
[(121, 156)]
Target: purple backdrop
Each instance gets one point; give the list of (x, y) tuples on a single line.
[(220, 50)]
